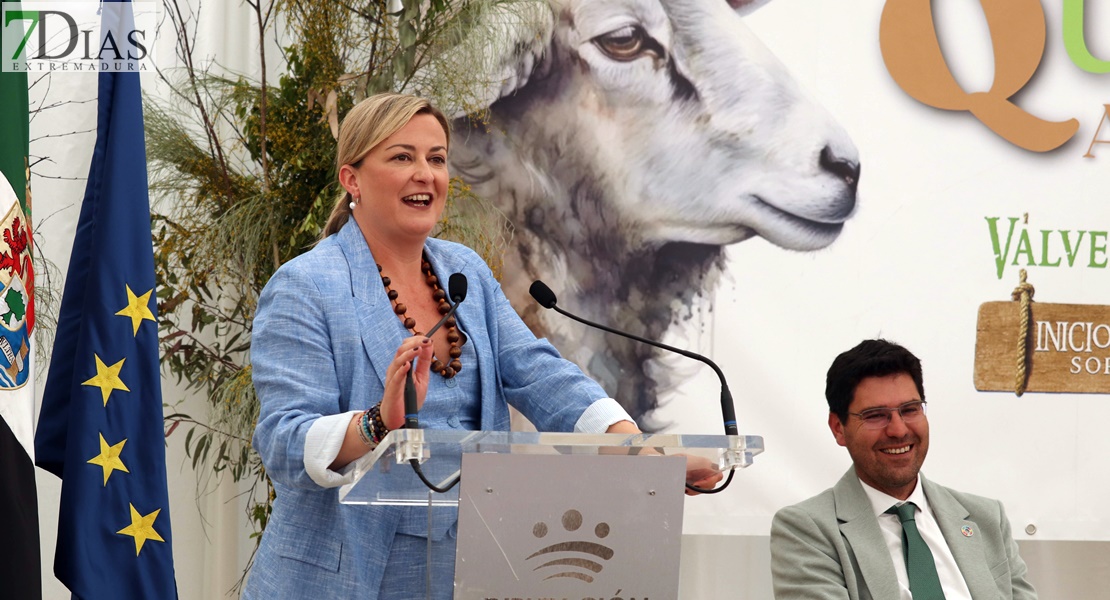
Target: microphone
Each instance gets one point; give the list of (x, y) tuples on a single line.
[(456, 287), (456, 290), (546, 298)]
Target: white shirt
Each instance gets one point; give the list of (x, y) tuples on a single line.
[(951, 580), (325, 438)]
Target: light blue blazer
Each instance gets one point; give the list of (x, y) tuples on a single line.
[(830, 546), (323, 336)]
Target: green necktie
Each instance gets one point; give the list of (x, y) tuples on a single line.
[(924, 582)]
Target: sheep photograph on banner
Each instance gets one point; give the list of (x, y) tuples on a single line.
[(633, 143), (699, 203)]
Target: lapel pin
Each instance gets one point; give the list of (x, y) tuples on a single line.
[(967, 531)]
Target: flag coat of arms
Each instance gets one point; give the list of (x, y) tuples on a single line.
[(100, 427), (20, 566)]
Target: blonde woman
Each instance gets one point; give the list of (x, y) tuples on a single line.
[(336, 333)]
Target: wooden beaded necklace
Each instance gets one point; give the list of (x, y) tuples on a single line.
[(446, 370)]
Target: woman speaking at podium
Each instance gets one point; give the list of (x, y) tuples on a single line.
[(336, 333)]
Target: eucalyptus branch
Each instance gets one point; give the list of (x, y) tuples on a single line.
[(61, 178), (181, 50), (227, 321), (43, 220), (35, 160), (57, 135), (32, 85), (177, 418), (174, 8), (223, 315), (262, 155), (63, 104), (208, 350), (239, 134), (252, 510), (372, 17)]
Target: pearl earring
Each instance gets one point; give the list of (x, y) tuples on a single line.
[(353, 203)]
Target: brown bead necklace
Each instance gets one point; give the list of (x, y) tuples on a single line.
[(446, 370)]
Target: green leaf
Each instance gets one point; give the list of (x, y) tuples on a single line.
[(200, 450)]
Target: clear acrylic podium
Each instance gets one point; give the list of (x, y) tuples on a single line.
[(543, 515)]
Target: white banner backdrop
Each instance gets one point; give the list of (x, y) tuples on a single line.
[(912, 265)]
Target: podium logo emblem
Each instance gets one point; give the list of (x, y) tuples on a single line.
[(573, 558)]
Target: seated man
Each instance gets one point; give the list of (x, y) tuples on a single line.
[(884, 532)]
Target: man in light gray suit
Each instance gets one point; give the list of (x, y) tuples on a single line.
[(884, 530)]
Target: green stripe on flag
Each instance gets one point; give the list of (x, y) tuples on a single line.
[(14, 124)]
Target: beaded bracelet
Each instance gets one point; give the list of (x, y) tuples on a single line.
[(363, 432), (375, 425)]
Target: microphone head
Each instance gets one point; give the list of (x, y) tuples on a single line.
[(542, 294), (456, 287)]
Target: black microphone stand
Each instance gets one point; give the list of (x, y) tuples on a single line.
[(457, 289), (546, 298)]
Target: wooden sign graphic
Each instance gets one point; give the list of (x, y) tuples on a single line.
[(1067, 348)]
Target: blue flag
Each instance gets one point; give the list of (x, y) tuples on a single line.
[(100, 427)]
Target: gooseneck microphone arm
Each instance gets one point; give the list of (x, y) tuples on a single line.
[(456, 290), (411, 422), (546, 298)]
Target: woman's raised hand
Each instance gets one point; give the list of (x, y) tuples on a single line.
[(393, 401)]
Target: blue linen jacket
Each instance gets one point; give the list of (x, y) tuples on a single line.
[(323, 336), (830, 547)]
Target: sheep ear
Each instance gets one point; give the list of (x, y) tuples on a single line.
[(501, 58), (745, 7)]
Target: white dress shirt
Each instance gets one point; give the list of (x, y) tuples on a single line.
[(325, 438), (951, 580)]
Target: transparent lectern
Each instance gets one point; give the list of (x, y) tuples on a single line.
[(543, 515)]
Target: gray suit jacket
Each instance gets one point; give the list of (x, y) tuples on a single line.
[(831, 547)]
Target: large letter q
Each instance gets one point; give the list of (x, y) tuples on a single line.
[(908, 40)]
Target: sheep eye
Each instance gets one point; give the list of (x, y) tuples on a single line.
[(627, 43)]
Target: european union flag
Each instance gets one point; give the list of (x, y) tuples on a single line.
[(100, 428)]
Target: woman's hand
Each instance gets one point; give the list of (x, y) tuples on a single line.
[(701, 473), (393, 401), (623, 427)]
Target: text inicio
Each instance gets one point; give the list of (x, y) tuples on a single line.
[(1085, 337)]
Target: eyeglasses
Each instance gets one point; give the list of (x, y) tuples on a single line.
[(879, 417)]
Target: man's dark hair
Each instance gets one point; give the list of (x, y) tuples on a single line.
[(871, 358)]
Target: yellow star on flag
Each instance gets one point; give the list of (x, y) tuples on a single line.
[(107, 378), (141, 528), (108, 459), (138, 308)]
